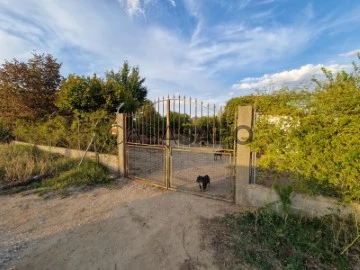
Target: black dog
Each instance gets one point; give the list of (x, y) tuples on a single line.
[(203, 181)]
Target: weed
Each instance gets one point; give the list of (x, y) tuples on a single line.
[(263, 239), (89, 173), (18, 163)]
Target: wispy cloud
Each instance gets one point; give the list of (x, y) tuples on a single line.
[(173, 3), (351, 53), (239, 46), (133, 7), (288, 78)]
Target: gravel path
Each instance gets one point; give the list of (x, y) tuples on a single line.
[(127, 225)]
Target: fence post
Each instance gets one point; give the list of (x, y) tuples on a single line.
[(121, 143), (168, 144), (243, 134)]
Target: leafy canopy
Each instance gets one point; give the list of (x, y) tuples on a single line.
[(89, 94), (27, 89)]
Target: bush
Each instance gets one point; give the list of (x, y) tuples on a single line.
[(6, 135), (319, 145), (70, 132), (264, 239)]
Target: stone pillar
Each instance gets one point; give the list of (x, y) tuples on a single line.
[(243, 134), (121, 143)]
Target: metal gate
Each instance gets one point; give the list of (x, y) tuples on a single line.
[(172, 141)]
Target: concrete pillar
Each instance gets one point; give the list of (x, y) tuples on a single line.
[(243, 134), (121, 143)]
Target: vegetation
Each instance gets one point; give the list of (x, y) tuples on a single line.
[(312, 136), (80, 94), (19, 163), (27, 89), (38, 106), (6, 135), (266, 240), (89, 173)]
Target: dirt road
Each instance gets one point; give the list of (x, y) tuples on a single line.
[(125, 226)]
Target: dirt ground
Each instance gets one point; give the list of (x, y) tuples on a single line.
[(126, 225)]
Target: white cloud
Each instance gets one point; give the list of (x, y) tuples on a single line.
[(173, 3), (235, 46), (351, 53), (288, 78), (133, 7)]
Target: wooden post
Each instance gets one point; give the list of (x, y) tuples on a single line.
[(243, 134), (121, 143)]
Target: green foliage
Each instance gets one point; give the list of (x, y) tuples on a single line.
[(125, 85), (81, 94), (284, 192), (6, 135), (52, 132), (71, 132), (317, 142), (19, 163), (264, 240), (86, 125), (27, 89), (89, 173)]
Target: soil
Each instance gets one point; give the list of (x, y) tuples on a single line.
[(127, 225)]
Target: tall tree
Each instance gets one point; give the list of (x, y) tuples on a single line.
[(27, 89), (125, 85), (81, 94)]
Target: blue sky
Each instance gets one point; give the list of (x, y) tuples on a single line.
[(208, 49)]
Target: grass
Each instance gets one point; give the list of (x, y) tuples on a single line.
[(266, 240), (89, 173), (19, 163)]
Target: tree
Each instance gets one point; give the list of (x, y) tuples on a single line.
[(88, 94), (81, 94), (27, 90), (126, 86)]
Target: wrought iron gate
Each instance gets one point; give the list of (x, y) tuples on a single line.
[(171, 141)]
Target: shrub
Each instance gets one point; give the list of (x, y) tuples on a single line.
[(6, 135), (319, 146), (264, 239)]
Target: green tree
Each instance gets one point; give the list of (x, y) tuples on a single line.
[(81, 94), (126, 86), (27, 89)]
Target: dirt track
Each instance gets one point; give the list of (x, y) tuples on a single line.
[(124, 226)]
